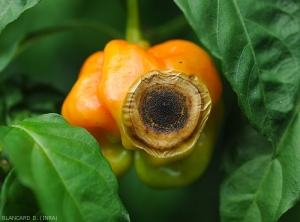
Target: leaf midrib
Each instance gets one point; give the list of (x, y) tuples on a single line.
[(255, 61), (33, 132)]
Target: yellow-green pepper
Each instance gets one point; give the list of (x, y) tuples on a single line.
[(187, 170)]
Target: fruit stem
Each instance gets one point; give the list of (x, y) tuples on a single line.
[(133, 30)]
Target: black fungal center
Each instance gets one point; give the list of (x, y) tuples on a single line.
[(163, 109)]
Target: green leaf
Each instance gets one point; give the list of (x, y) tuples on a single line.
[(64, 168), (12, 9), (258, 43), (16, 199), (261, 185)]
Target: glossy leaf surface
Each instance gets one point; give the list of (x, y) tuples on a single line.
[(258, 45), (64, 168)]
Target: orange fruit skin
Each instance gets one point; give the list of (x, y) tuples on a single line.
[(95, 102)]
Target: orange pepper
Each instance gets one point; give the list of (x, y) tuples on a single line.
[(153, 101), (82, 107)]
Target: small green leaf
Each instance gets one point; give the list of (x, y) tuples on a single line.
[(16, 199), (64, 168), (12, 9)]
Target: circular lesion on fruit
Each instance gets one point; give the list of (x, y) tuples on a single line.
[(163, 109), (164, 113)]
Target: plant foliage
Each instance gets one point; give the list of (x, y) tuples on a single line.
[(58, 170), (258, 44), (64, 168)]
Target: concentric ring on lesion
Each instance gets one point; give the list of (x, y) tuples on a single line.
[(164, 112)]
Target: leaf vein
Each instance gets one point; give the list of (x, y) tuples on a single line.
[(255, 61)]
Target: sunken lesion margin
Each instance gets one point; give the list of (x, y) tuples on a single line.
[(176, 142)]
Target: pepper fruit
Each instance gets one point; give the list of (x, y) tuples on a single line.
[(82, 107), (153, 102), (187, 170)]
